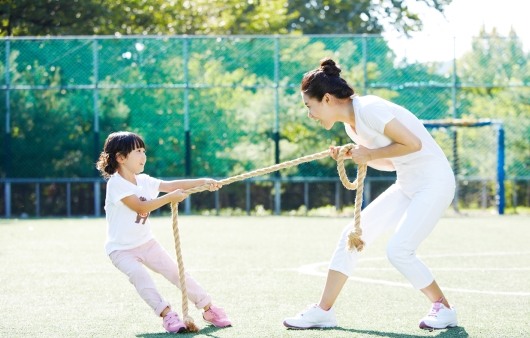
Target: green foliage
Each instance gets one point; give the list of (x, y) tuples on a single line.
[(495, 62), (223, 17), (364, 16), (232, 102)]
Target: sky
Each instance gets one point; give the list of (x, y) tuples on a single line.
[(463, 20)]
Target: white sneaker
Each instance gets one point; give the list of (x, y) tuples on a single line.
[(440, 317), (312, 317)]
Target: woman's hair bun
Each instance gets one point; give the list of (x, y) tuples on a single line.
[(329, 67)]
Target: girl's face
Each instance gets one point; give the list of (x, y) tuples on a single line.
[(319, 111), (134, 162)]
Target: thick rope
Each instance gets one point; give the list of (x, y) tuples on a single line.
[(188, 320), (354, 237), (354, 240), (262, 171)]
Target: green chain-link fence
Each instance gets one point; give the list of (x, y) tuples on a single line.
[(219, 106)]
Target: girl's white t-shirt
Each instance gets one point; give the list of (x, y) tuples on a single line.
[(127, 229), (372, 113)]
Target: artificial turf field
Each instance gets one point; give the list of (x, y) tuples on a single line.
[(56, 280)]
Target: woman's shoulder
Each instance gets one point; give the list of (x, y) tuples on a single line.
[(370, 104), (371, 100)]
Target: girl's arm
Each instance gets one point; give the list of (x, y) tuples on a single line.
[(167, 186), (143, 207), (405, 142)]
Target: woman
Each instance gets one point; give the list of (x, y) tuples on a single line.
[(388, 138)]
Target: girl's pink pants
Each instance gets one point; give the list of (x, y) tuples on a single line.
[(151, 254)]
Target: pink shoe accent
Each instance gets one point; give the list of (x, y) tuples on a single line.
[(440, 317), (216, 316), (172, 323)]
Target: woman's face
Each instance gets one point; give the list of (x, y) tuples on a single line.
[(319, 111)]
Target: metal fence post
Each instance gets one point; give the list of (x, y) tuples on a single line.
[(528, 193), (454, 131), (247, 196), (365, 65), (187, 134), (97, 198), (514, 196), (277, 196), (7, 198), (306, 196), (37, 199), (276, 131), (7, 146), (367, 192), (216, 194), (484, 195), (95, 100), (499, 194), (69, 199), (337, 196)]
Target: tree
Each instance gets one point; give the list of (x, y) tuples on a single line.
[(108, 17), (54, 17), (360, 16), (497, 63)]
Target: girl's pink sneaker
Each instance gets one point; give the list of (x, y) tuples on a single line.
[(172, 323), (216, 316)]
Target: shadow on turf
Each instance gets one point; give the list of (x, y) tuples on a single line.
[(445, 333), (207, 331)]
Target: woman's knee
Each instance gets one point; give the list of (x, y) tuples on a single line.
[(397, 254)]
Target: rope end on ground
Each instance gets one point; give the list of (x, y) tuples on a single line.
[(190, 324)]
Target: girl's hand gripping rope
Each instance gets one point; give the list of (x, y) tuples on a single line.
[(177, 196)]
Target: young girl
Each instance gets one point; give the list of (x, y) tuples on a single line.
[(388, 138), (130, 244)]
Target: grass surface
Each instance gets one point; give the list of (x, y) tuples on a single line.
[(56, 280)]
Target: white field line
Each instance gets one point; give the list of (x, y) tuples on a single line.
[(450, 269), (313, 269), (463, 254)]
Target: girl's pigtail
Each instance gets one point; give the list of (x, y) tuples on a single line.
[(106, 164)]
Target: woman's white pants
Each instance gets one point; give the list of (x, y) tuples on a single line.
[(412, 206)]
